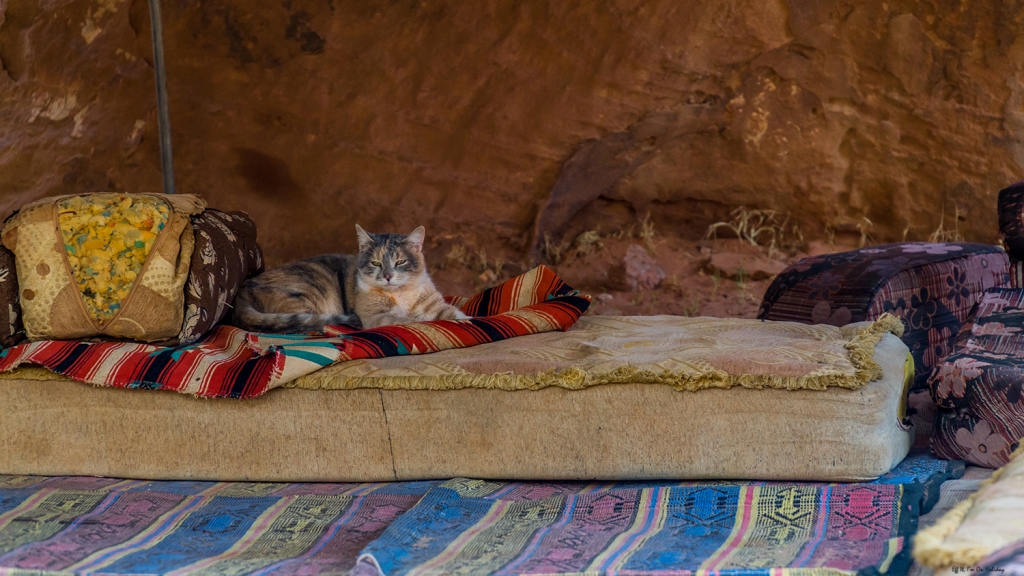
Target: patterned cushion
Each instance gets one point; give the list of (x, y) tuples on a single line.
[(11, 330), (1016, 274), (930, 286), (1011, 219), (978, 388), (52, 304), (225, 255)]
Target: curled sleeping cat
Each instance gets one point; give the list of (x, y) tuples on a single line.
[(386, 283)]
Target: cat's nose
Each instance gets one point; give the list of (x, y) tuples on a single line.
[(387, 277)]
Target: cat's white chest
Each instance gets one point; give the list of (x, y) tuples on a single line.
[(404, 302)]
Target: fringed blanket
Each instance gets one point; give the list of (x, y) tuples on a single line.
[(231, 363), (685, 353), (102, 525)]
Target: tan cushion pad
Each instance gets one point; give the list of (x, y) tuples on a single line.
[(610, 431)]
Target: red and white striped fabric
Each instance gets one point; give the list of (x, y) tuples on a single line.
[(231, 363)]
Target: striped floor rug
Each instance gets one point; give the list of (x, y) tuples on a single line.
[(108, 526), (662, 529), (474, 527)]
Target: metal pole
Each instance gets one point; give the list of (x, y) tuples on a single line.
[(163, 116)]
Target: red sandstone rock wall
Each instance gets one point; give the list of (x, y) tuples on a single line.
[(504, 119)]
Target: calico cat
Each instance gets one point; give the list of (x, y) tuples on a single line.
[(385, 284)]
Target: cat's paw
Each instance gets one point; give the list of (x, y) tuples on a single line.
[(398, 321), (460, 316), (386, 320)]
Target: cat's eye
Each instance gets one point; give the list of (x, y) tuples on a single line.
[(375, 263), (400, 262)]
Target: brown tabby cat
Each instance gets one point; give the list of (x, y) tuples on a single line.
[(386, 283)]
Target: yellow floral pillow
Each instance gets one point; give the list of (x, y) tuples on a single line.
[(107, 240), (103, 264)]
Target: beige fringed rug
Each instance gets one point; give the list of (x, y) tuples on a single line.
[(687, 353)]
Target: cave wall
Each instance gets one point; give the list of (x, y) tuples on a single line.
[(500, 119)]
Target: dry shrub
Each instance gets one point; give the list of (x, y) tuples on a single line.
[(863, 227), (760, 228), (941, 234), (481, 261), (457, 254), (647, 233), (554, 252), (588, 242)]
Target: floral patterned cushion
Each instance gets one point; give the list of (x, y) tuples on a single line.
[(930, 286), (978, 387), (11, 329), (226, 255), (1011, 219), (1016, 274)]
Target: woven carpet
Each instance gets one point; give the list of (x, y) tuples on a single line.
[(742, 528), (83, 525)]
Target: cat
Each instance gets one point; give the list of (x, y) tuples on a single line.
[(386, 283)]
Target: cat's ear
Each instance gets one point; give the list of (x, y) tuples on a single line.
[(415, 239), (365, 240)]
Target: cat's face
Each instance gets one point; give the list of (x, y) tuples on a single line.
[(390, 261)]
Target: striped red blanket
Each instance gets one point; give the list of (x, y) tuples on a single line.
[(231, 363)]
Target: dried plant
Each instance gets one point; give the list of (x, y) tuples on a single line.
[(830, 235), (863, 227), (760, 228), (481, 261), (457, 254), (798, 234), (647, 233), (623, 233), (741, 282), (942, 235), (692, 309), (716, 282), (498, 265), (554, 252), (588, 242)]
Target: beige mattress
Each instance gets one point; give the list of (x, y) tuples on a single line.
[(613, 399)]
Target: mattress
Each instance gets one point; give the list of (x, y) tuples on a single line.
[(612, 399)]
